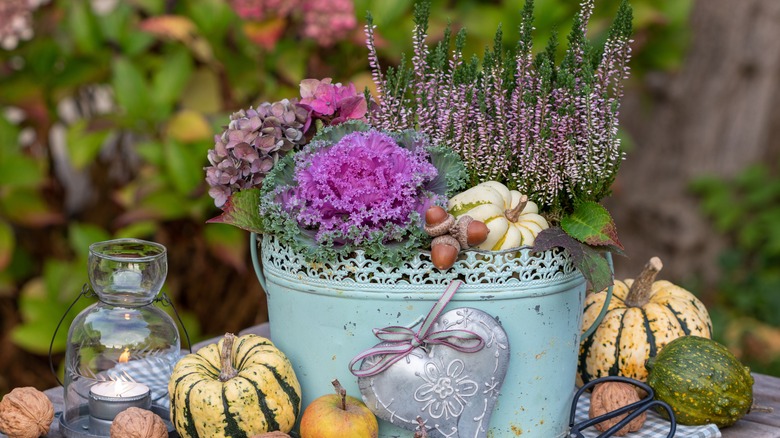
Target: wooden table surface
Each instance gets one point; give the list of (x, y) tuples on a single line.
[(757, 424)]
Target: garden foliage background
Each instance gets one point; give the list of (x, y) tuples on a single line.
[(107, 109)]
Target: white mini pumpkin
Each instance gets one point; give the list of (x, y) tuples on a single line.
[(512, 219)]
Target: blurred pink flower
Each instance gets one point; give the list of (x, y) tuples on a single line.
[(328, 21), (333, 103), (260, 10), (16, 21)]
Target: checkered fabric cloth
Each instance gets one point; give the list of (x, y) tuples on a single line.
[(654, 427), (152, 371)]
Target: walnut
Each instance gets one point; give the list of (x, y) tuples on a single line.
[(26, 413), (275, 434), (138, 423), (610, 396)]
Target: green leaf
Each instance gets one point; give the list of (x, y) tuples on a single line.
[(292, 65), (385, 13), (9, 144), (42, 58), (130, 88), (7, 244), (189, 126), (151, 7), (35, 338), (212, 17), (242, 210), (27, 207), (184, 167), (151, 152), (63, 280), (84, 146), (138, 230), (202, 93), (43, 301), (162, 205), (80, 236), (17, 170), (84, 28), (228, 244), (589, 261), (591, 223), (172, 77)]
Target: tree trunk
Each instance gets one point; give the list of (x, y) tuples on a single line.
[(716, 115)]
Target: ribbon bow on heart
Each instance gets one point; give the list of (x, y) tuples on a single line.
[(398, 341)]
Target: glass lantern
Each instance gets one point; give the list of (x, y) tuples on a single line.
[(121, 350)]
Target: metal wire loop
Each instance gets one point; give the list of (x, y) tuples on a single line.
[(87, 292), (635, 409)]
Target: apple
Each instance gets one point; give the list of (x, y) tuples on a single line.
[(338, 416)]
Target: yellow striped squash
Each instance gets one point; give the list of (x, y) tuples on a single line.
[(237, 387), (644, 315), (512, 219)]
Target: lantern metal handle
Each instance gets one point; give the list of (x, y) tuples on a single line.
[(87, 292)]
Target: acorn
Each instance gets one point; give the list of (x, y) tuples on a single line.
[(438, 221), (444, 251), (469, 232)]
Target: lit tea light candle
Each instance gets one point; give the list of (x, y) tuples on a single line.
[(107, 399), (118, 389)]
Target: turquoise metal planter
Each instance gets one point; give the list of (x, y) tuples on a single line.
[(322, 315)]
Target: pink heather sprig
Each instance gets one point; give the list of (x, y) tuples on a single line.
[(548, 130)]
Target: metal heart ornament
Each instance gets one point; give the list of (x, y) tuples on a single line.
[(448, 373)]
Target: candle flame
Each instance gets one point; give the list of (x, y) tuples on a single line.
[(125, 356)]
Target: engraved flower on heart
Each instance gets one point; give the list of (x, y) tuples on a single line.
[(446, 391)]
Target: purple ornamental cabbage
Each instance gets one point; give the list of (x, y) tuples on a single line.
[(359, 186)]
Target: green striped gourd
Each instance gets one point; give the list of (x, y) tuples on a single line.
[(512, 219), (643, 316), (237, 387), (702, 382)]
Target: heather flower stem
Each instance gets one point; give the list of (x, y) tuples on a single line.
[(514, 214)]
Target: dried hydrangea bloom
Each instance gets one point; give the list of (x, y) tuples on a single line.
[(360, 185), (252, 143), (16, 21), (328, 21)]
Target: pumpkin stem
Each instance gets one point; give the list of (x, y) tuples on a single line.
[(227, 371), (639, 293), (342, 392), (513, 214)]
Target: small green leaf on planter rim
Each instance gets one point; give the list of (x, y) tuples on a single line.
[(242, 211), (591, 223), (589, 261)]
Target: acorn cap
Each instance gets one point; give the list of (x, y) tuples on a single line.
[(461, 231), (441, 228)]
